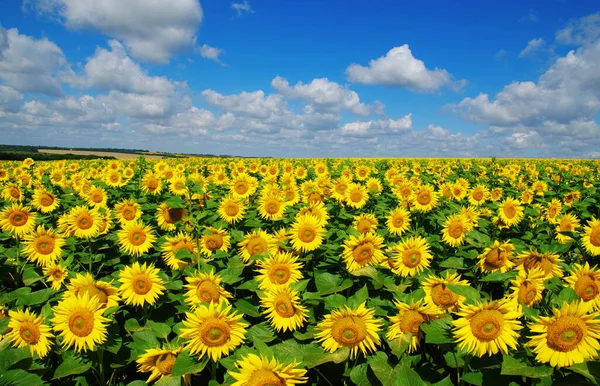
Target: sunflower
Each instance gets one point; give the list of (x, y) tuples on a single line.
[(365, 223), (568, 337), (140, 284), (256, 243), (356, 195), (455, 229), (510, 211), (438, 294), (316, 209), (158, 362), (307, 233), (566, 223), (374, 186), (43, 246), (271, 207), (424, 198), (151, 183), (177, 185), (17, 219), (408, 321), (12, 193), (591, 237), (283, 309), (86, 284), (410, 257), (231, 210), (205, 288), (527, 289), (585, 280), (279, 270), (213, 330), (97, 197), (243, 186), (553, 210), (44, 201), (355, 328), (398, 221), (28, 330), (135, 239), (260, 371), (487, 328), (83, 223), (496, 194), (173, 244), (56, 275), (339, 188), (548, 262), (127, 210), (478, 195), (80, 321), (216, 240), (497, 258), (362, 250), (167, 217)]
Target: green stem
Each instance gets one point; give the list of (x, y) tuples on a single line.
[(457, 369), (101, 366), (91, 258), (213, 370), (324, 377)]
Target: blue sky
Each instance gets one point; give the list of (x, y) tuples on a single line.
[(304, 78)]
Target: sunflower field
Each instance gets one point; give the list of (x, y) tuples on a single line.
[(300, 271)]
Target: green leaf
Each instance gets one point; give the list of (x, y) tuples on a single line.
[(169, 380), (467, 291), (444, 382), (247, 308), (368, 271), (382, 369), (567, 295), (590, 370), (334, 301), (261, 332), (358, 375), (186, 364), (231, 275), (328, 283), (407, 376), (37, 297), (474, 378), (160, 330), (175, 202), (498, 277), (513, 366), (19, 377), (30, 276), (71, 365), (453, 262), (359, 297), (438, 331), (11, 357)]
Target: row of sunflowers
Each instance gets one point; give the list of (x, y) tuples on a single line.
[(304, 271)]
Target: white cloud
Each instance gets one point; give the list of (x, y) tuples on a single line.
[(500, 54), (253, 104), (27, 64), (580, 31), (377, 127), (113, 69), (323, 94), (399, 68), (211, 53), (10, 99), (527, 140), (533, 46), (240, 8), (153, 31)]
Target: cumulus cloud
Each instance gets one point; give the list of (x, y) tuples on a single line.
[(28, 64), (211, 53), (377, 127), (153, 31), (113, 69), (324, 95), (533, 46), (10, 99), (240, 8), (399, 68), (580, 31), (526, 140)]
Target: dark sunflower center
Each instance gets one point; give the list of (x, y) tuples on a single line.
[(81, 323), (349, 331), (565, 333), (487, 325), (141, 284)]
